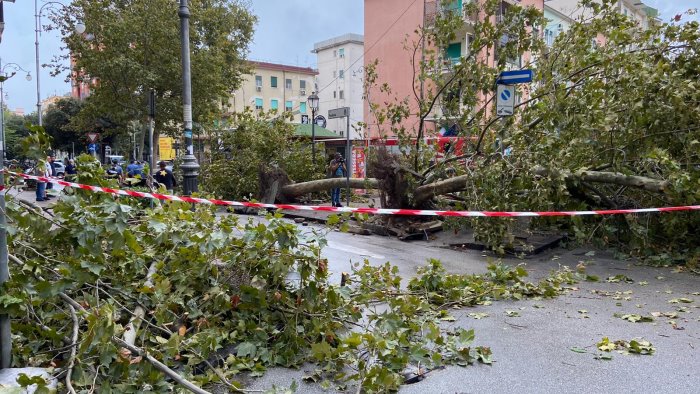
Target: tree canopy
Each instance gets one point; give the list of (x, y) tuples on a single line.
[(130, 47), (609, 122)]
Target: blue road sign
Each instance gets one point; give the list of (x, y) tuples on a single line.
[(92, 147), (505, 95), (513, 77)]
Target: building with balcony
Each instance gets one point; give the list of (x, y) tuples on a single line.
[(390, 24), (275, 87), (340, 63), (635, 9)]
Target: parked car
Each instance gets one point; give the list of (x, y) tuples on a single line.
[(59, 169), (119, 159)]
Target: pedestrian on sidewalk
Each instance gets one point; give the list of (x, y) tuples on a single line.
[(50, 170), (165, 177), (337, 170), (40, 170)]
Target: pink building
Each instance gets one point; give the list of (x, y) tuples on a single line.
[(390, 27)]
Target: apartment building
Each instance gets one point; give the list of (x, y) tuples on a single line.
[(340, 63), (557, 22), (276, 87), (389, 24), (635, 9)]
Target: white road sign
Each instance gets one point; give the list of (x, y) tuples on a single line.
[(505, 100)]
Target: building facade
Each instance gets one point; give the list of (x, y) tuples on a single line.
[(635, 9), (340, 63), (391, 24), (275, 87)]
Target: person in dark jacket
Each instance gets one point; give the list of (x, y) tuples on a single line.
[(165, 177)]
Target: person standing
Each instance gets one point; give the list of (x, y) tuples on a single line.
[(40, 170), (51, 170), (71, 170), (165, 177), (338, 170)]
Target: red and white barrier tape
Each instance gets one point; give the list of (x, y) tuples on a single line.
[(370, 211)]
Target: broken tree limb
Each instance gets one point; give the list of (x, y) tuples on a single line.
[(299, 189), (161, 367), (459, 183), (133, 349), (615, 178), (450, 185), (139, 313)]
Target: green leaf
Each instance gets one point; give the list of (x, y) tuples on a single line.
[(246, 349), (578, 350)]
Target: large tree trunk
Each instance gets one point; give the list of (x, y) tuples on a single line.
[(459, 183), (299, 189), (456, 184)]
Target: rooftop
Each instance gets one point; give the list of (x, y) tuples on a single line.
[(283, 67), (349, 38)]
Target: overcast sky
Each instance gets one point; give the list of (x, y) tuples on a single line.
[(286, 32)]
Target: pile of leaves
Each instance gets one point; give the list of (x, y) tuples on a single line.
[(112, 293)]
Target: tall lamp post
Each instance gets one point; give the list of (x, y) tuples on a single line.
[(79, 28), (190, 167), (313, 102), (5, 333)]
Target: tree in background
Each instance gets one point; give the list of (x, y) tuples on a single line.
[(57, 123), (16, 128), (132, 47), (253, 149)]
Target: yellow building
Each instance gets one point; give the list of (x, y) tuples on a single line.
[(278, 87)]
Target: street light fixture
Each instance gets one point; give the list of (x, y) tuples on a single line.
[(5, 332), (190, 167), (313, 102), (79, 28)]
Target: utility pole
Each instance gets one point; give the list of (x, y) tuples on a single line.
[(190, 167), (151, 125), (5, 330)]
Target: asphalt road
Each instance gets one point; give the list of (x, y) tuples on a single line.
[(532, 352)]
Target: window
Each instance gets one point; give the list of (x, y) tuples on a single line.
[(302, 108), (453, 53), (258, 81), (259, 104), (335, 53), (274, 104), (288, 84), (341, 74), (302, 84), (341, 95), (288, 106), (334, 94), (341, 52), (273, 82)]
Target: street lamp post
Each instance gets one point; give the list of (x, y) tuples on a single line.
[(79, 28), (190, 167), (5, 333), (313, 103)]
